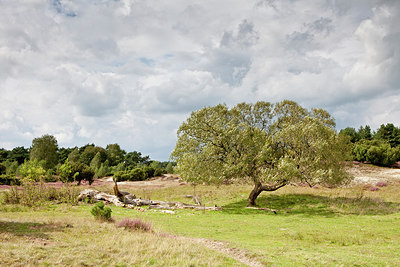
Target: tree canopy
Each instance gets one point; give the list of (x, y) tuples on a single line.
[(45, 149), (270, 145)]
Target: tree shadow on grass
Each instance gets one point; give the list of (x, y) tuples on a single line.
[(312, 205), (29, 229)]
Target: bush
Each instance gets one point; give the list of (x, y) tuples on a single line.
[(50, 178), (36, 194), (135, 225), (9, 179), (377, 152), (3, 169), (31, 171), (136, 174), (100, 212), (158, 172), (70, 172)]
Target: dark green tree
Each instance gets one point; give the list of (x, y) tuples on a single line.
[(135, 157), (74, 156), (352, 133), (115, 154), (3, 154), (389, 133), (45, 149), (364, 133), (19, 154), (63, 154)]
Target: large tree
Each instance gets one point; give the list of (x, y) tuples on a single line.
[(45, 149), (266, 144), (115, 154)]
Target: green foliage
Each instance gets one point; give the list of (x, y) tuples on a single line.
[(3, 154), (308, 151), (261, 143), (149, 171), (115, 154), (377, 152), (81, 172), (136, 174), (32, 171), (95, 164), (19, 154), (104, 170), (389, 133), (11, 167), (74, 156), (65, 172), (90, 152), (170, 167), (351, 133), (119, 167), (45, 148), (36, 194), (100, 212), (9, 179), (63, 154), (364, 133), (135, 157), (3, 169), (75, 171), (50, 178)]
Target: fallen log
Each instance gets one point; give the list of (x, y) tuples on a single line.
[(128, 200), (196, 200)]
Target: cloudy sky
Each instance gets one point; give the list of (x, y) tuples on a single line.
[(131, 71)]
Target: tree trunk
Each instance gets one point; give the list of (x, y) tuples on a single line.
[(258, 188), (254, 194)]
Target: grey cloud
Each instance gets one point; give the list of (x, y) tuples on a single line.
[(308, 39), (245, 37), (97, 98), (231, 61), (184, 92)]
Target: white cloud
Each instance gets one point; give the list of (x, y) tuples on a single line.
[(130, 72)]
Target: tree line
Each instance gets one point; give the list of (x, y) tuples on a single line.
[(78, 163), (380, 147)]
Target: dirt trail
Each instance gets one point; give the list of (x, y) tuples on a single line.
[(222, 247)]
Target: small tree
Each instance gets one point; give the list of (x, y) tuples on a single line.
[(31, 171), (66, 172), (45, 148), (100, 212), (269, 145)]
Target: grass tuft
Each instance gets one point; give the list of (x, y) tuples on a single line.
[(135, 225)]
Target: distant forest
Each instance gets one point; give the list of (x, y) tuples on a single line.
[(380, 147), (83, 163)]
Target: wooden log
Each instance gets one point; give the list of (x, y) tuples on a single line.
[(196, 200), (130, 201)]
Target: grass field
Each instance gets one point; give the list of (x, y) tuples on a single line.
[(312, 226)]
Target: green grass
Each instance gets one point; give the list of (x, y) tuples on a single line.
[(345, 227)]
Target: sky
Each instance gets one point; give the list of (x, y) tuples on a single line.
[(131, 71)]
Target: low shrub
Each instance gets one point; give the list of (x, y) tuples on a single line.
[(381, 184), (136, 174), (36, 194), (100, 212), (9, 179), (135, 225)]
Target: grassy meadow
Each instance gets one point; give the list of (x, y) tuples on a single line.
[(312, 226)]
